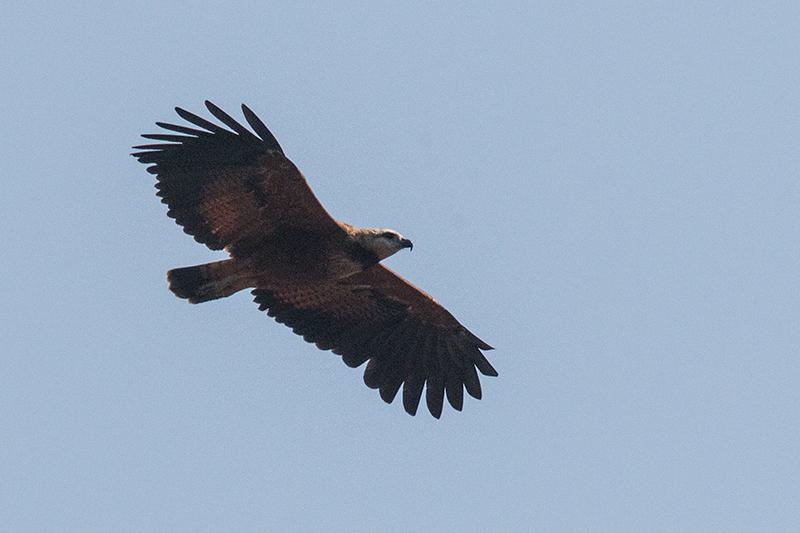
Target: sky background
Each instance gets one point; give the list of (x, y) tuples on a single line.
[(607, 192)]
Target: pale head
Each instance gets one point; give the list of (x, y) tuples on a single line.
[(383, 242)]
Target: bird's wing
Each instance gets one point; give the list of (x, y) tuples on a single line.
[(406, 335), (230, 189)]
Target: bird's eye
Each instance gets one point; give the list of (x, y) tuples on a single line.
[(388, 235)]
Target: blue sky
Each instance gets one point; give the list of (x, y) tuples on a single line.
[(606, 192)]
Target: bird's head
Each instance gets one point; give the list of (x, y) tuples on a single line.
[(383, 242)]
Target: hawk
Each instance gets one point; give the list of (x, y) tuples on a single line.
[(234, 189)]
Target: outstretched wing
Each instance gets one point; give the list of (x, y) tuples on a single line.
[(230, 189), (408, 337)]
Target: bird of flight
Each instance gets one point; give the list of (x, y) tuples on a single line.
[(234, 189)]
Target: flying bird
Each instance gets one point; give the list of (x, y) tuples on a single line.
[(234, 189)]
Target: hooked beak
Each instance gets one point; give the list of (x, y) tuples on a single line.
[(405, 243)]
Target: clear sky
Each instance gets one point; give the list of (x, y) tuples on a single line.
[(607, 192)]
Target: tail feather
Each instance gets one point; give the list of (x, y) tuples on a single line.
[(210, 281)]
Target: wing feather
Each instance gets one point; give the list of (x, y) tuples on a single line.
[(226, 119), (480, 361), (414, 372), (434, 389), (472, 382), (453, 375), (261, 130), (379, 348), (352, 344), (203, 123), (181, 129), (162, 137), (392, 378), (409, 339), (230, 188)]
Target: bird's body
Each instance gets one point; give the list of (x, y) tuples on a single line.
[(237, 191)]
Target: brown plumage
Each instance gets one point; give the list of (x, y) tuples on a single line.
[(235, 190)]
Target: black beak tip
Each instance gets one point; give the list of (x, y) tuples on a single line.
[(408, 244)]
